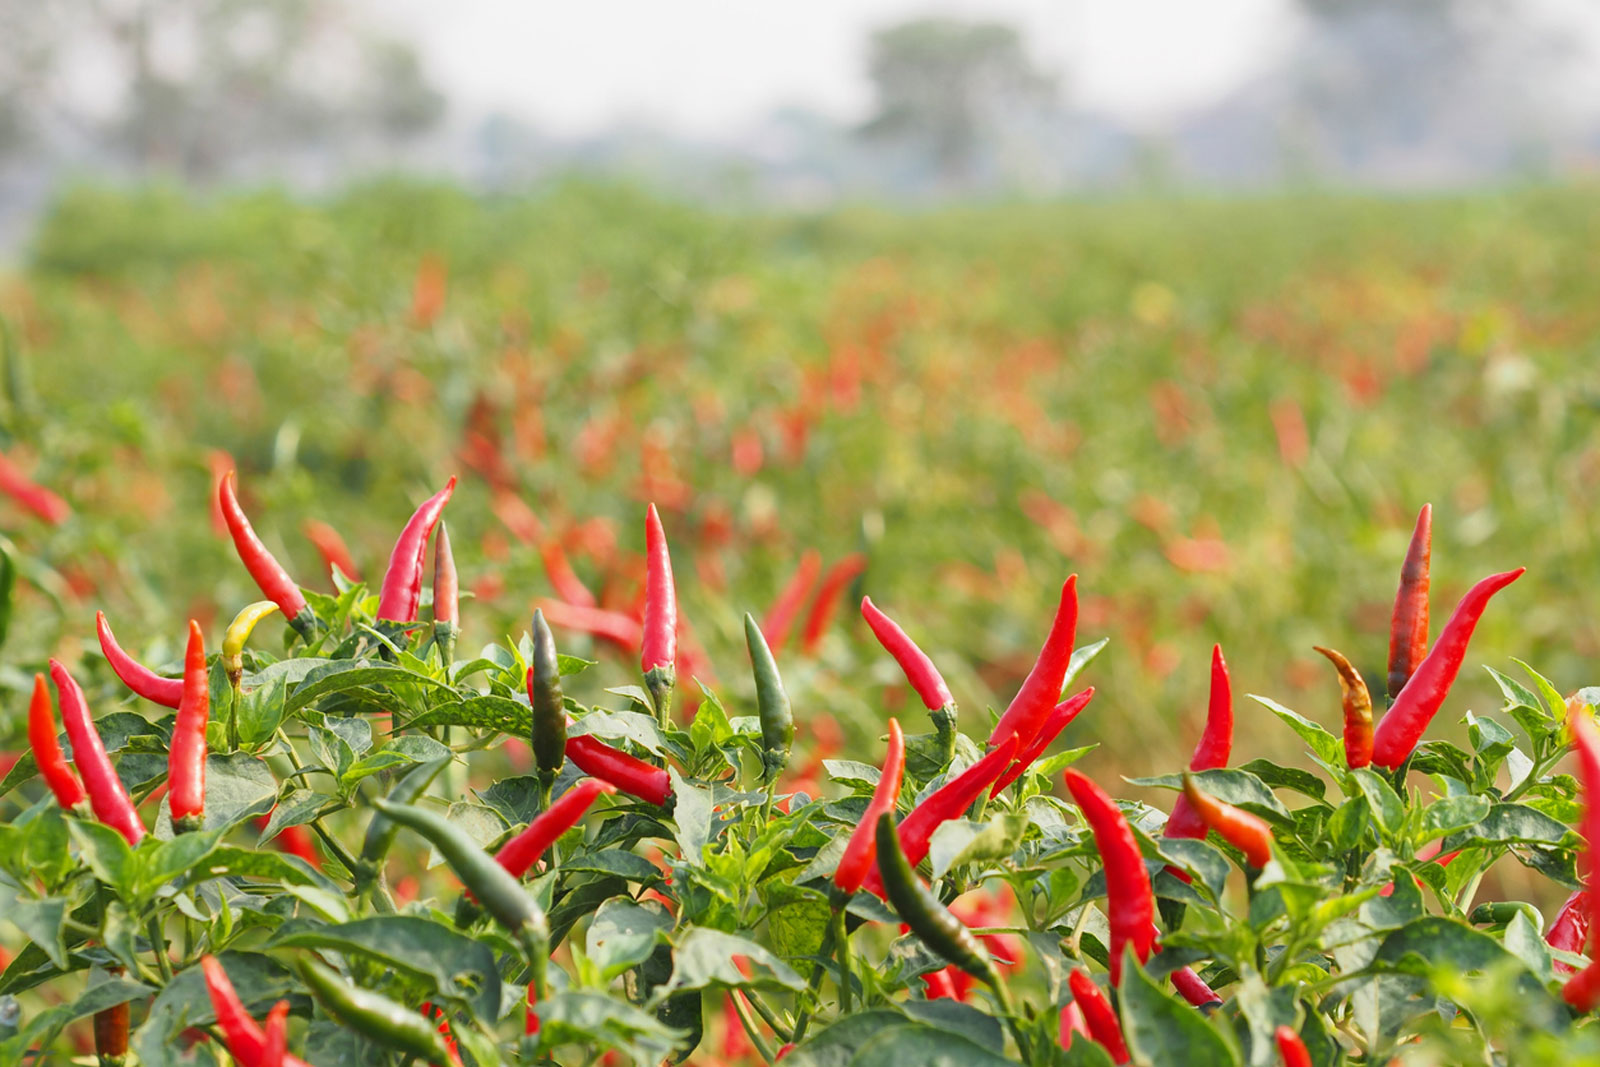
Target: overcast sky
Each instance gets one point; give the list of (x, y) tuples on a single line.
[(710, 66)]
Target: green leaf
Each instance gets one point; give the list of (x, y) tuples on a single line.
[(341, 675), (620, 863), (1159, 1028), (624, 934), (691, 817), (1451, 814), (980, 1028), (8, 589), (621, 726), (296, 809), (960, 841), (1512, 824), (1082, 656), (1324, 746), (239, 786), (588, 1018), (502, 714), (1237, 787), (704, 959), (171, 860), (106, 853), (925, 1046), (456, 965), (1279, 777), (260, 710), (1388, 810), (797, 918), (838, 1044), (40, 919)]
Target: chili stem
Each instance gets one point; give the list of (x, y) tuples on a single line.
[(770, 1017), (841, 942), (743, 1012), (158, 945)]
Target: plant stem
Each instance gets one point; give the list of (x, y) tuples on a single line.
[(814, 986), (743, 1012), (770, 1017), (841, 943), (158, 945)]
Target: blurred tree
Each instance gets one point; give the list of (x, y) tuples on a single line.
[(199, 87), (948, 86)]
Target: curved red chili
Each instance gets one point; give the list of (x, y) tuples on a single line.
[(563, 579), (1213, 749), (520, 853), (1582, 990), (31, 495), (107, 796), (775, 626), (186, 761), (273, 581), (167, 692), (244, 1037), (402, 582), (949, 801), (826, 603), (633, 776), (53, 766), (1042, 688), (1291, 1048), (331, 547), (1570, 930), (1072, 1024), (658, 652), (1246, 832), (919, 669), (1586, 741), (1192, 987), (1060, 717), (621, 630), (1130, 902), (1097, 1015), (275, 1040), (860, 852), (1356, 703), (1408, 718), (1408, 626)]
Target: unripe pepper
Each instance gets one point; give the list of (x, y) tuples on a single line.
[(186, 761), (269, 575), (238, 633), (374, 1016), (932, 922), (243, 1036), (1408, 717), (858, 851), (1041, 690), (1246, 832), (772, 703), (1097, 1015), (1291, 1048), (780, 617), (402, 582), (549, 739), (919, 671), (446, 596), (1060, 718), (658, 652), (949, 801), (838, 576), (53, 766), (167, 692), (108, 797), (382, 830), (1408, 626), (1213, 749), (519, 854), (1357, 705), (631, 775), (1130, 901)]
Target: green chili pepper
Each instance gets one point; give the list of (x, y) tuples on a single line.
[(777, 721), (381, 830), (549, 713), (495, 888), (920, 910), (375, 1016)]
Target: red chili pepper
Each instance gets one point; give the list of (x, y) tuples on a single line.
[(621, 630), (783, 1050), (220, 463), (1097, 1015), (1129, 898), (939, 985), (563, 579), (107, 796), (531, 1025), (1582, 990), (1193, 988), (244, 1037), (633, 776), (331, 547), (1213, 750), (1408, 718), (1060, 717), (520, 853), (658, 653), (402, 582), (446, 585), (186, 763), (838, 576), (53, 766), (919, 669), (949, 801), (1570, 930), (1586, 740), (1356, 703), (775, 627), (1408, 627), (1291, 1048), (268, 574), (1246, 832), (1042, 688), (167, 692), (1072, 1024), (31, 495), (861, 851), (275, 1041)]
